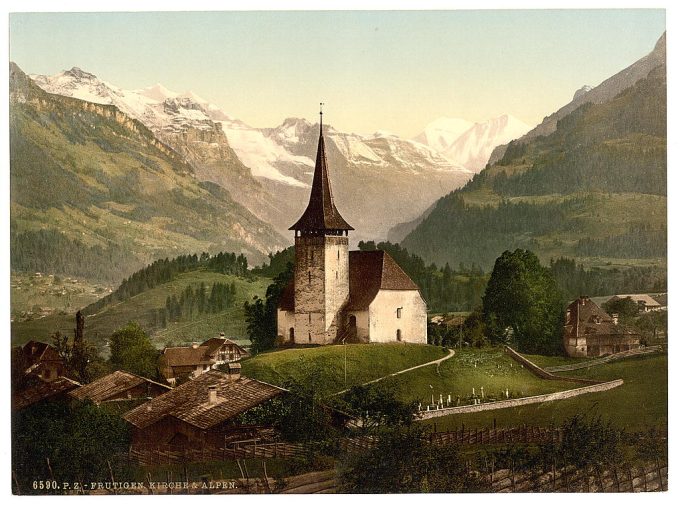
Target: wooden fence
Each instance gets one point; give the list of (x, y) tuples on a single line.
[(522, 434), (181, 455), (651, 477)]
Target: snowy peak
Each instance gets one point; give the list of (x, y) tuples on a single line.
[(442, 132), (473, 148), (157, 93), (78, 73), (470, 144)]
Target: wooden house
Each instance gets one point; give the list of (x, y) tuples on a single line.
[(119, 386), (201, 412)]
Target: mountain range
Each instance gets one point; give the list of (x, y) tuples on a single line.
[(471, 144), (94, 193), (589, 183), (378, 179)]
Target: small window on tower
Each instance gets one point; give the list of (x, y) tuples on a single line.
[(311, 255), (336, 275), (310, 318), (399, 312), (309, 277), (338, 254)]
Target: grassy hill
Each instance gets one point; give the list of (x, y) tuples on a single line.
[(639, 404), (593, 190), (364, 362), (140, 308), (94, 194)]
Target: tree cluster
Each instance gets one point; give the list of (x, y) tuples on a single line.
[(165, 270)]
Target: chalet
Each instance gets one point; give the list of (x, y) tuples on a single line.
[(119, 386), (224, 350), (38, 390), (644, 302), (201, 412), (590, 331), (187, 362), (337, 295), (41, 360)]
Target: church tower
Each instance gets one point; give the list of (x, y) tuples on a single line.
[(321, 260)]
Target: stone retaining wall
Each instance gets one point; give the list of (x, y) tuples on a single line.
[(538, 371), (536, 399), (605, 359)]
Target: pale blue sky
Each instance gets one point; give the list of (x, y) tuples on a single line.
[(387, 70)]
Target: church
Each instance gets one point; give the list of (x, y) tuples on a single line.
[(340, 296)]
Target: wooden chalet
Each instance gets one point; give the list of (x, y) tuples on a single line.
[(38, 390), (590, 331), (186, 362), (42, 360), (201, 412), (119, 386)]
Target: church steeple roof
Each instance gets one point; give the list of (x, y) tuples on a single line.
[(321, 213)]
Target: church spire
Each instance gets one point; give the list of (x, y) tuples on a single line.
[(321, 215)]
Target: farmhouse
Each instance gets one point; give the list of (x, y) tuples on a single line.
[(119, 386), (200, 412), (41, 360), (590, 331), (337, 295), (190, 361), (38, 390), (645, 303)]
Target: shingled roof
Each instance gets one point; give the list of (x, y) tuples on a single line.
[(587, 318), (321, 213), (189, 401), (371, 271), (111, 386), (41, 390), (186, 356)]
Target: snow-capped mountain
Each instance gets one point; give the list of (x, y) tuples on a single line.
[(383, 178), (470, 144), (442, 132), (473, 148)]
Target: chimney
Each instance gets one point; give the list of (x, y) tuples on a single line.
[(212, 394), (615, 319), (221, 335), (234, 371), (194, 345)]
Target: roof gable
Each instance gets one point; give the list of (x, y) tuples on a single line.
[(183, 356), (371, 271), (189, 401), (112, 385)]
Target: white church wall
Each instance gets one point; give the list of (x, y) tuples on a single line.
[(363, 330), (385, 319)]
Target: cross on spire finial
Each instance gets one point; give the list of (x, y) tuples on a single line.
[(321, 117)]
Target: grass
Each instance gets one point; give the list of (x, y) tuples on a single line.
[(640, 403), (100, 326), (364, 362), (488, 368)]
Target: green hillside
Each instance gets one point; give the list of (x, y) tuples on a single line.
[(594, 190), (638, 405), (94, 194), (143, 308), (364, 363)]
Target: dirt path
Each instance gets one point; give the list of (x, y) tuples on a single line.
[(433, 362)]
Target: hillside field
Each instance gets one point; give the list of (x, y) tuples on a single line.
[(364, 363), (139, 308), (639, 404)]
